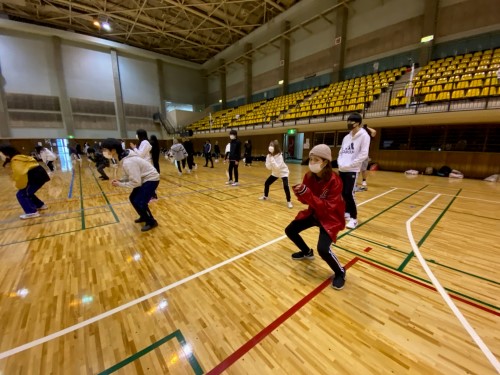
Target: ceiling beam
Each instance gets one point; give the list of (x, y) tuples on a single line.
[(127, 20), (277, 6), (284, 34), (136, 18), (203, 16)]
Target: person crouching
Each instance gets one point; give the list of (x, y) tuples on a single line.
[(138, 175)]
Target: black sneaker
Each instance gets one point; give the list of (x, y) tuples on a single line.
[(301, 256), (339, 280), (139, 220), (147, 227)]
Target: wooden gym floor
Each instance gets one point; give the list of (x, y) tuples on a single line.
[(213, 289)]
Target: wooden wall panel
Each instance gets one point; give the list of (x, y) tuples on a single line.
[(266, 80), (312, 64), (467, 15), (471, 164), (399, 35)]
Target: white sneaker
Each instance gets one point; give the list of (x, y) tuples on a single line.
[(364, 183), (29, 216), (189, 171), (230, 182), (263, 198), (289, 204), (235, 184), (347, 216), (353, 223), (44, 207)]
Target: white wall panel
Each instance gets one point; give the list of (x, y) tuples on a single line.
[(28, 65), (139, 81), (88, 73)]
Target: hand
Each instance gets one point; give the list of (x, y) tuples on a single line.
[(298, 187), (115, 183), (132, 145), (236, 162)]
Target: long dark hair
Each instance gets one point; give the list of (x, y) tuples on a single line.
[(142, 135), (9, 153), (155, 145)]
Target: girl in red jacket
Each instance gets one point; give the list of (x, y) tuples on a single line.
[(321, 190)]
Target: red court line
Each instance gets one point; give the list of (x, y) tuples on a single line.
[(431, 287), (245, 348)]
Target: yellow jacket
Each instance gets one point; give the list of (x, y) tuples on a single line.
[(21, 164)]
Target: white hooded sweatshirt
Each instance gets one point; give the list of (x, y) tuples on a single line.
[(354, 151), (277, 165)]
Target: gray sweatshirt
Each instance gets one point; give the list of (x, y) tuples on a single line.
[(137, 171)]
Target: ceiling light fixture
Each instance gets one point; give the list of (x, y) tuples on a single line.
[(106, 26)]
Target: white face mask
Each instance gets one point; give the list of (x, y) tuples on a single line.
[(271, 149), (2, 156), (315, 168), (232, 136), (107, 154)]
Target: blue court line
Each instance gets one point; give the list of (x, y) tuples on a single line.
[(70, 193), (180, 338)]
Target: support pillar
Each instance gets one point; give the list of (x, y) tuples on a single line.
[(285, 57), (64, 102), (120, 113), (339, 43), (248, 73)]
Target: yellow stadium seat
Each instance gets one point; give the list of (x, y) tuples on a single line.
[(448, 87), (436, 88), (485, 92), (458, 94), (472, 93), (430, 98), (443, 96)]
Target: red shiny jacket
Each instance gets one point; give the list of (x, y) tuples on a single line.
[(325, 202)]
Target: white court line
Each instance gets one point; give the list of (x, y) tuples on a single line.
[(375, 197), (453, 195), (96, 318), (107, 314), (444, 294)]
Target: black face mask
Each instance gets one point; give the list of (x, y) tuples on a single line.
[(350, 125)]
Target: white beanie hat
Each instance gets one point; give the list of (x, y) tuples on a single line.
[(322, 151)]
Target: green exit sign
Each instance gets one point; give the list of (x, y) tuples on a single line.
[(71, 136), (292, 131)]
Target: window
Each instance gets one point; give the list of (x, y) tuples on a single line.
[(340, 137), (328, 138), (466, 138), (394, 138), (171, 106), (428, 138), (493, 139)]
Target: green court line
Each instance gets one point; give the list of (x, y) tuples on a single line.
[(418, 277), (378, 243), (381, 212), (180, 338), (81, 197), (389, 247), (422, 240), (105, 197), (193, 362)]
